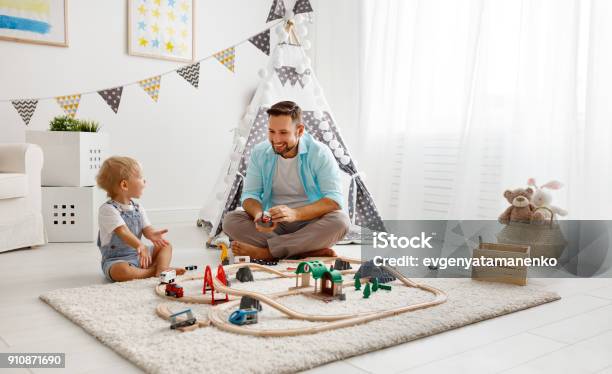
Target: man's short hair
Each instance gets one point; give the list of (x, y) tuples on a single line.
[(286, 108)]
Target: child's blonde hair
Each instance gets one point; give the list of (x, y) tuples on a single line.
[(114, 170)]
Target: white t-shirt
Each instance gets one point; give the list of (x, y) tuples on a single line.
[(109, 218), (287, 188)]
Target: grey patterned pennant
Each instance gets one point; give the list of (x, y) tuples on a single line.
[(191, 73), (112, 96), (301, 76), (277, 10), (302, 6), (283, 74), (289, 73), (293, 77), (25, 108), (262, 41)]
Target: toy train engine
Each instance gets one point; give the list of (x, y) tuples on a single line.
[(243, 317), (173, 289), (168, 276)]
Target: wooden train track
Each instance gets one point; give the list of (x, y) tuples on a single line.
[(160, 289), (216, 314)]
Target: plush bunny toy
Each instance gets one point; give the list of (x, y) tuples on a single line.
[(543, 198)]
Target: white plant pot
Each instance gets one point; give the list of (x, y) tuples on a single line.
[(70, 158), (70, 214)]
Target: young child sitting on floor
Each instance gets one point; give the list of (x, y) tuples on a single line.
[(123, 223)]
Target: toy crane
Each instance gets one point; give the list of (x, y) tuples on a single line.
[(224, 254)]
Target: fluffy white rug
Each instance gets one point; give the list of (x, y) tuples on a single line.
[(122, 316)]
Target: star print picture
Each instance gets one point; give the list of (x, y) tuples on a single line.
[(162, 29)]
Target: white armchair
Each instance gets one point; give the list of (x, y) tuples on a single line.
[(21, 222)]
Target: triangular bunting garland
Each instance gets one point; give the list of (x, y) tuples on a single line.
[(283, 74), (69, 103), (302, 6), (262, 41), (151, 86), (289, 73), (191, 73), (277, 10), (293, 77), (25, 108), (227, 57), (112, 96), (301, 76)]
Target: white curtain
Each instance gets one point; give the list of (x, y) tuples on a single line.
[(462, 99)]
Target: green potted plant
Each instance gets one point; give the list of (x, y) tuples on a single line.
[(74, 150), (66, 123)]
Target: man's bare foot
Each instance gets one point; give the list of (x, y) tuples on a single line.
[(325, 252), (244, 249)]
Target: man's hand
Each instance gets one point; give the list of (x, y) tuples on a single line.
[(157, 238), (145, 256), (260, 228), (282, 213)]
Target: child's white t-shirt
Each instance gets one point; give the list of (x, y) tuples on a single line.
[(109, 218)]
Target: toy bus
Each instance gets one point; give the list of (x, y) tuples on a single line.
[(188, 321)]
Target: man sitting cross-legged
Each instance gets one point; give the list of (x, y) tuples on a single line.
[(297, 180)]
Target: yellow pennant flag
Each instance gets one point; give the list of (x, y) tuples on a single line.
[(227, 57), (69, 103), (151, 86)]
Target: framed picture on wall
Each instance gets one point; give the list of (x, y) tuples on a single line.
[(162, 29), (34, 21)]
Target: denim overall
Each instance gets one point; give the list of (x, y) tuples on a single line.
[(116, 250)]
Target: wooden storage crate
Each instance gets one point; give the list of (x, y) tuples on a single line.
[(514, 275)]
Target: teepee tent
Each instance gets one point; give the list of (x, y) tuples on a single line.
[(288, 76)]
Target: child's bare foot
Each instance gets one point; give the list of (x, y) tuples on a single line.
[(244, 249)]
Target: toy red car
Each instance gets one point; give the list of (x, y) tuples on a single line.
[(173, 289), (265, 220)]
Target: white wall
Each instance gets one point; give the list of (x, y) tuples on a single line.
[(336, 56), (183, 139)]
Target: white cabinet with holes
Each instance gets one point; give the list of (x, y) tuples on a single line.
[(70, 158), (71, 213)]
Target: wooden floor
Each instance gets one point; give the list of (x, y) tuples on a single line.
[(573, 335)]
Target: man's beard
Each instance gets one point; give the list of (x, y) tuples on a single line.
[(286, 150)]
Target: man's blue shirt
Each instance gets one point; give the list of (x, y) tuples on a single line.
[(318, 171)]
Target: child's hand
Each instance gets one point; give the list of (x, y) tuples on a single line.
[(145, 256), (157, 238)]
